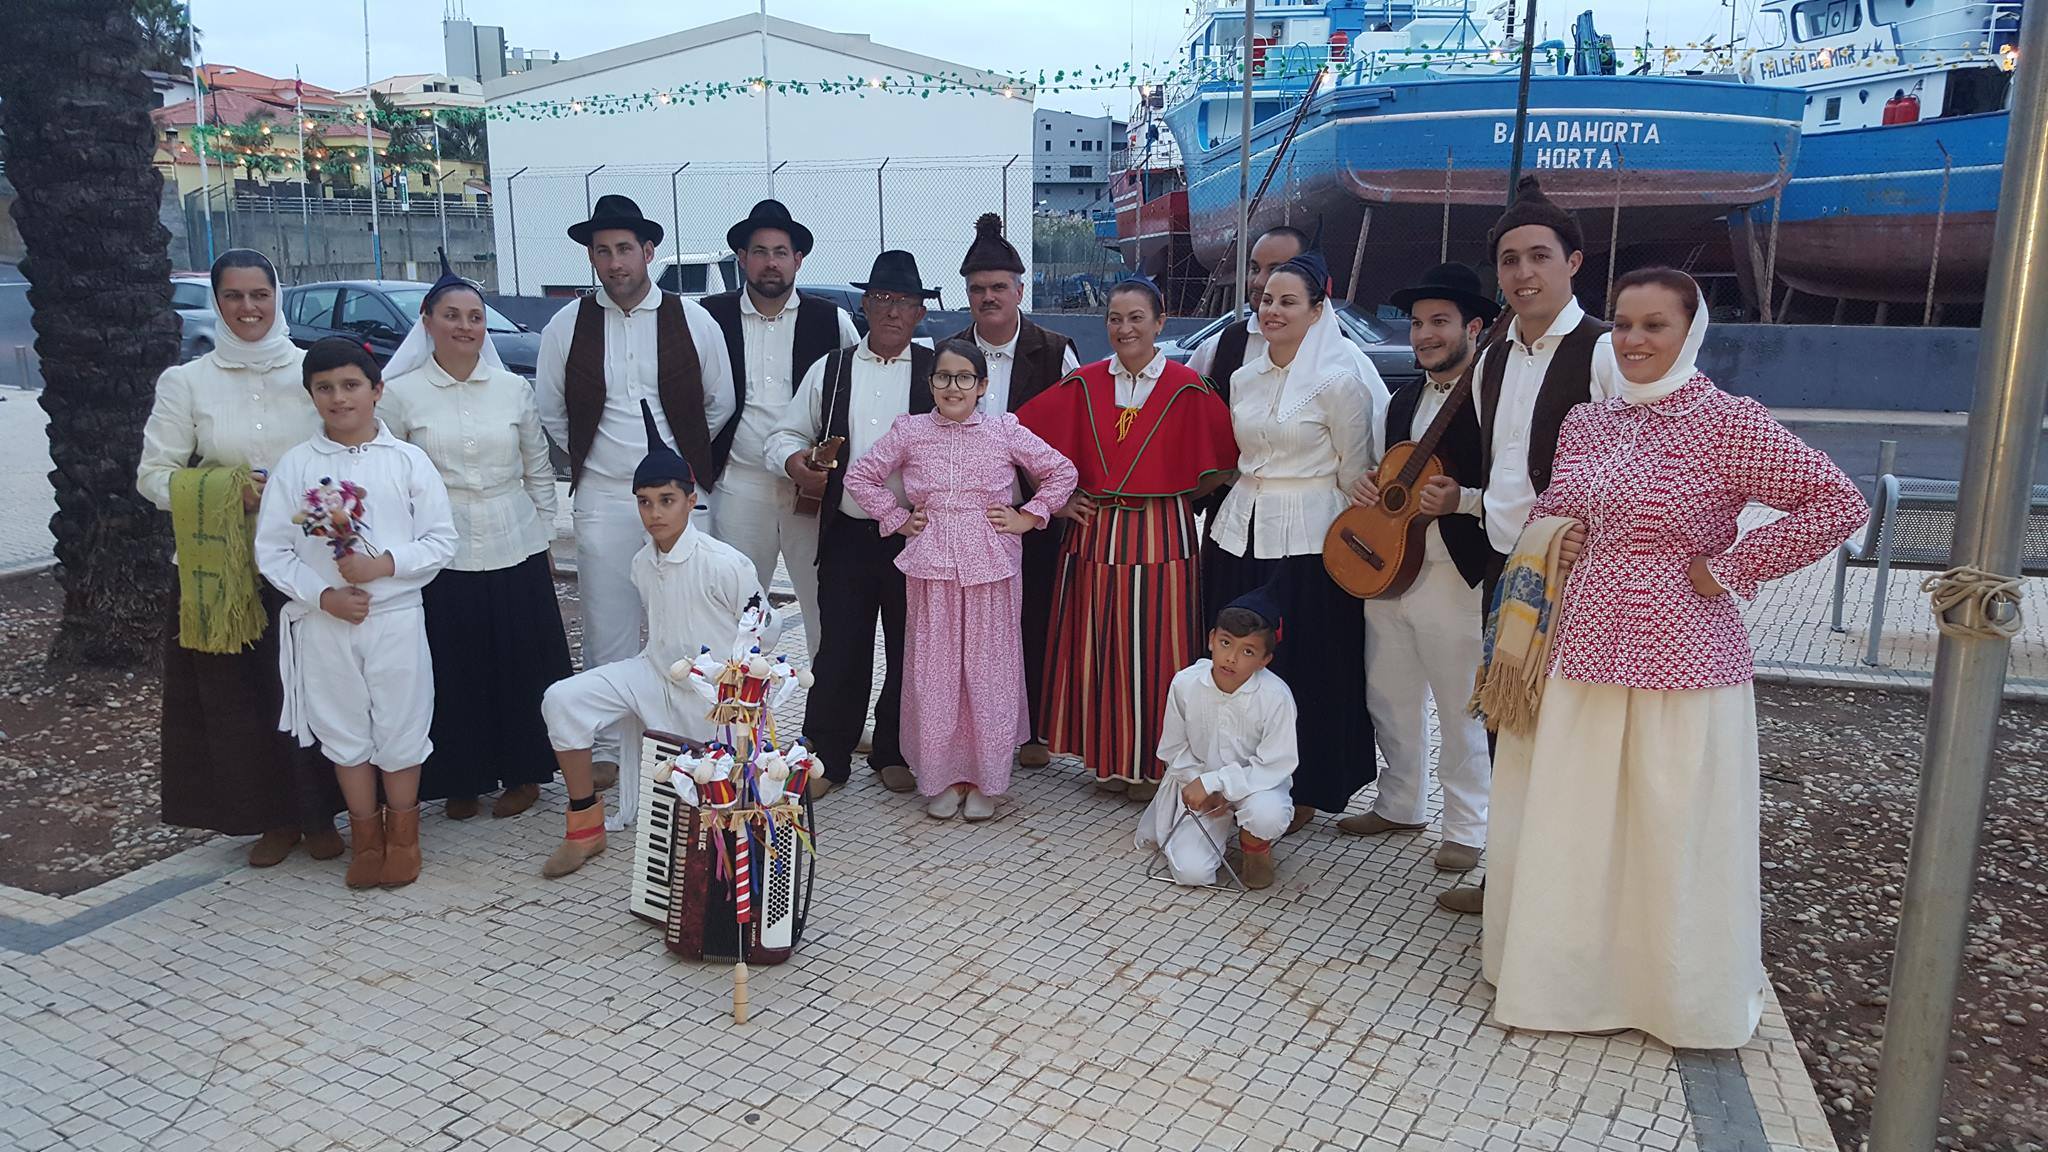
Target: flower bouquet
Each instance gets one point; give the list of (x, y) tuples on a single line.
[(333, 511)]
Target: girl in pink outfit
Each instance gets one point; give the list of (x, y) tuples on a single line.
[(964, 711)]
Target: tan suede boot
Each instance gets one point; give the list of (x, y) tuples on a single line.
[(366, 849), (1257, 870), (584, 839), (401, 846)]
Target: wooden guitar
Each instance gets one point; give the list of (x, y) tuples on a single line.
[(1377, 552)]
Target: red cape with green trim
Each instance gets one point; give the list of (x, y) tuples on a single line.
[(1181, 434)]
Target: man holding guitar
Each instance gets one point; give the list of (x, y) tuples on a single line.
[(1426, 640)]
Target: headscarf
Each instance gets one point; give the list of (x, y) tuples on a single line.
[(1324, 357), (418, 346), (274, 350), (1682, 369)]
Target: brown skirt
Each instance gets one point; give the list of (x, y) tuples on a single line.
[(226, 767)]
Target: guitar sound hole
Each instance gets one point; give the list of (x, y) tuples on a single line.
[(1394, 499)]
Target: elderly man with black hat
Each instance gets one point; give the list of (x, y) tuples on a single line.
[(846, 402), (773, 335), (599, 358), (1023, 361), (1552, 358), (1428, 641)]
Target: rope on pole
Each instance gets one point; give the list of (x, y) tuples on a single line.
[(1443, 250), (1940, 218), (1614, 231)]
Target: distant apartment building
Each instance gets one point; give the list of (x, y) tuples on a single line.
[(1072, 160)]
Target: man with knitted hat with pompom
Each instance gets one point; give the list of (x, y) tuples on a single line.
[(1023, 361), (1555, 357)]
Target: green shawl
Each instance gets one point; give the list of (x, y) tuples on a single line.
[(219, 607)]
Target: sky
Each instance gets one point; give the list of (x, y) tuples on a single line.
[(325, 40)]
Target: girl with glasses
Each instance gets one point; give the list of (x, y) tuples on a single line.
[(964, 704)]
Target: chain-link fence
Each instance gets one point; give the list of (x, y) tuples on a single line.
[(328, 237), (856, 208)]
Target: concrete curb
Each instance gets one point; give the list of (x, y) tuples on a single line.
[(1882, 679)]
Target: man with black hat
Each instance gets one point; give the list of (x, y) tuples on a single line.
[(1553, 358), (772, 337), (1023, 361), (856, 394), (1428, 641), (599, 358)]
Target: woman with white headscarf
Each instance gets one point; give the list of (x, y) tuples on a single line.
[(1623, 890), (1303, 414), (217, 425), (493, 624)]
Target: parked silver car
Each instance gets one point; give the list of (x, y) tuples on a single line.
[(192, 296), (1385, 343)]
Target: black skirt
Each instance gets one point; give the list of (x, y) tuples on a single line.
[(226, 767), (498, 643), (1322, 659)]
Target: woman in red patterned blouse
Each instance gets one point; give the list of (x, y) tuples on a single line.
[(1624, 891)]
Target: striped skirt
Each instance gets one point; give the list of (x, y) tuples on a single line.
[(1126, 616)]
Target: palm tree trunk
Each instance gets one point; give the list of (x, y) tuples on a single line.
[(80, 146)]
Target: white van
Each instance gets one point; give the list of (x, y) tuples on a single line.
[(697, 274)]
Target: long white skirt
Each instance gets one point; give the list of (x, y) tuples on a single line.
[(1622, 888)]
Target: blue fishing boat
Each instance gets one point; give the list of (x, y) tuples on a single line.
[(1904, 117), (1393, 122)]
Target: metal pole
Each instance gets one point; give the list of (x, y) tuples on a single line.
[(1522, 102), (1969, 667), (1244, 165), (1940, 218), (587, 212), (1443, 255), (881, 216), (370, 147), (440, 200), (1614, 230), (1887, 458), (767, 133), (198, 133), (305, 177), (675, 210), (1006, 192), (512, 224)]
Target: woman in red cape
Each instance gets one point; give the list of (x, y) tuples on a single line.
[(1148, 438)]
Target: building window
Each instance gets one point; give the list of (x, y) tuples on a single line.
[(1817, 18), (1080, 171), (1048, 145), (1832, 111)]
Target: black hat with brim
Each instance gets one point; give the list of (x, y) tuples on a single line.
[(896, 271), (615, 211), (768, 214), (1454, 282)]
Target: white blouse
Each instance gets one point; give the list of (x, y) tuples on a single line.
[(212, 415), (1303, 437), (483, 435)]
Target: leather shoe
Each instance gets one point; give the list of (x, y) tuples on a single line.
[(324, 843), (1469, 901), (460, 807), (1303, 813), (898, 778), (514, 800), (944, 806), (1111, 784), (272, 847), (1452, 857), (1141, 791), (603, 774), (819, 787), (978, 806), (1034, 755), (1373, 824)]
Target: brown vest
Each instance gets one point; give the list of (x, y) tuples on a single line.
[(679, 382), (1567, 383), (1040, 356), (1231, 344)]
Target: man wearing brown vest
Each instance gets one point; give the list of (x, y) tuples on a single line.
[(1240, 344), (773, 335), (856, 394), (599, 358), (1555, 357), (1023, 360)]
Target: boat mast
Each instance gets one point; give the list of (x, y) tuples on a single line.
[(1521, 96), (1244, 160)]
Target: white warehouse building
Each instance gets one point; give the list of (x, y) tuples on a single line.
[(864, 170)]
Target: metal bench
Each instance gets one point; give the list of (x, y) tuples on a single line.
[(1913, 525)]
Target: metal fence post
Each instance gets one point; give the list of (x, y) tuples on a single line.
[(1006, 191), (1970, 663), (512, 225), (587, 211), (881, 215), (675, 209)]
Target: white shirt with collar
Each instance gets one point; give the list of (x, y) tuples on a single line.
[(222, 415), (770, 343), (1002, 360), (483, 434), (1203, 361), (1431, 402), (1132, 390), (880, 393), (1510, 492), (694, 594), (631, 374)]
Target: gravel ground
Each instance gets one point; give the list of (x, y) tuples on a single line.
[(78, 806)]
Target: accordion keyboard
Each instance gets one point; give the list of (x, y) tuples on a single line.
[(655, 833)]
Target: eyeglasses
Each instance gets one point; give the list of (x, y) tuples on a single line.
[(954, 381), (888, 302)]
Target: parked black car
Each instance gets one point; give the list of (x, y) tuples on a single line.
[(1385, 341), (380, 312)]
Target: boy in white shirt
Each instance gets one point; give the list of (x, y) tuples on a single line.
[(1229, 747), (695, 588), (353, 523)]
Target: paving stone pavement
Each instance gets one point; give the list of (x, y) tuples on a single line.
[(1013, 985)]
